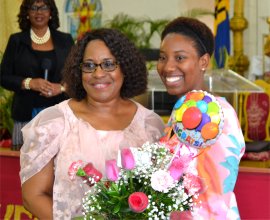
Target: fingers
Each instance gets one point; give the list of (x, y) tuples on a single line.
[(46, 88)]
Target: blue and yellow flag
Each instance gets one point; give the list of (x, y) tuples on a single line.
[(222, 32)]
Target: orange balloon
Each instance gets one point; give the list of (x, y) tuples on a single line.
[(196, 96), (209, 130)]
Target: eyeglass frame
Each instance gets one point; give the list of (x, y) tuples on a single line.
[(42, 8), (116, 63)]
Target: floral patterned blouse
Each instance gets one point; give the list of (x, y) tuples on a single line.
[(218, 166), (56, 133)]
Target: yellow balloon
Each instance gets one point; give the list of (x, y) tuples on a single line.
[(215, 118), (179, 112)]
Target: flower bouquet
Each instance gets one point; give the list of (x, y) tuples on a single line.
[(151, 182)]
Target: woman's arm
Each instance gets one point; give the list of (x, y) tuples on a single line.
[(37, 193)]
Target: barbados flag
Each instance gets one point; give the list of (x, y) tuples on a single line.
[(222, 32)]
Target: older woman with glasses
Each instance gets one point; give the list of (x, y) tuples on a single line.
[(32, 63), (102, 73)]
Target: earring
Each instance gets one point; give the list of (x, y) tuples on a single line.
[(50, 17), (27, 17), (203, 69)]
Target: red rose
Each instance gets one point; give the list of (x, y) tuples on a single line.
[(138, 202), (91, 171)]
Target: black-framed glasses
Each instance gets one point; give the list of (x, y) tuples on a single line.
[(42, 8), (106, 65)]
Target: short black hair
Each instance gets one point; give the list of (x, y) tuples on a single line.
[(196, 30), (25, 24), (131, 62)]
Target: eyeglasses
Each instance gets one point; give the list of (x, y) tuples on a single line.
[(91, 67), (42, 8)]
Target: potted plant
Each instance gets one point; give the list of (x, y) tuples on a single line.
[(6, 122)]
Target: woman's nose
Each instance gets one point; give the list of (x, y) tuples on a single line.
[(169, 65), (99, 72)]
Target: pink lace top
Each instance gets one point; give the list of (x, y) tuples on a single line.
[(56, 133)]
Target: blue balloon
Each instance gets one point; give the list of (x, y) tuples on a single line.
[(202, 105), (179, 102)]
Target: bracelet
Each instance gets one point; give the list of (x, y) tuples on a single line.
[(62, 88), (27, 83)]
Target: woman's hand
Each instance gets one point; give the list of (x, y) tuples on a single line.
[(45, 87)]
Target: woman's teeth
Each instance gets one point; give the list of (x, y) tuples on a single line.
[(173, 78)]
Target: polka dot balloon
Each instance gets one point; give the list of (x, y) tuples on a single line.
[(197, 119)]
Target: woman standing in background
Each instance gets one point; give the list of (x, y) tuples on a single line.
[(32, 63)]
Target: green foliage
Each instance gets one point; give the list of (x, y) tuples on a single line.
[(6, 96), (6, 121), (142, 30), (138, 30)]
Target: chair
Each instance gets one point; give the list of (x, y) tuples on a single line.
[(257, 117)]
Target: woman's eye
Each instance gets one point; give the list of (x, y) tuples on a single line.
[(179, 58), (108, 63), (89, 65), (161, 58)]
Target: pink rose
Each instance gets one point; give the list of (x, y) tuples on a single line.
[(91, 171), (138, 202), (112, 171), (185, 215), (74, 167), (176, 168), (127, 159), (194, 184)]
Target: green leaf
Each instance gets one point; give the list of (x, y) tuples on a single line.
[(80, 172), (117, 208)]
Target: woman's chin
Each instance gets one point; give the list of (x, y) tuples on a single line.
[(175, 91)]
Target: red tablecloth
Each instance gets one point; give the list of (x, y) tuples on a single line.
[(252, 191), (10, 189)]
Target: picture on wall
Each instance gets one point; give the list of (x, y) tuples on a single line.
[(83, 16)]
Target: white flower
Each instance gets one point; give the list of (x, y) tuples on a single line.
[(142, 158), (162, 181)]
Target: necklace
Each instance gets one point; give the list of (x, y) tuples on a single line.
[(40, 40)]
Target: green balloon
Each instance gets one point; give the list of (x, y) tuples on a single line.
[(213, 107), (190, 103)]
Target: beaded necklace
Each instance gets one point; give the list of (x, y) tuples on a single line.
[(40, 40)]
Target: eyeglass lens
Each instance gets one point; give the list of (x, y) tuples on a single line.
[(41, 8), (107, 65)]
